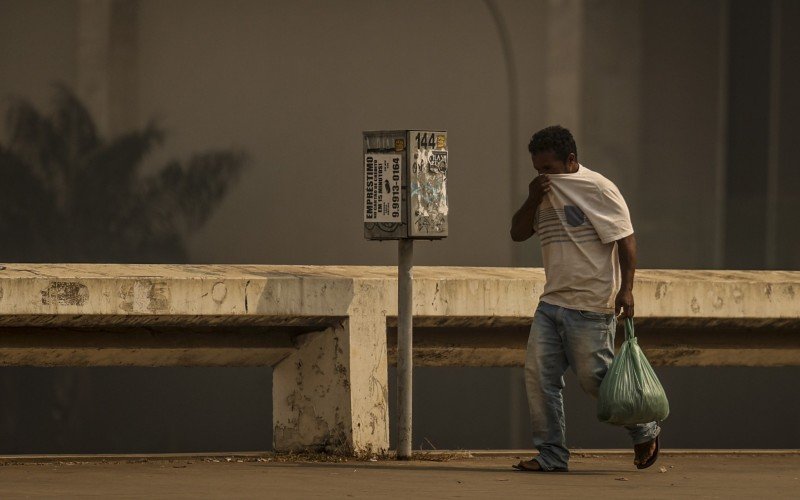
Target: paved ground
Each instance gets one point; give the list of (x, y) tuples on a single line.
[(740, 476)]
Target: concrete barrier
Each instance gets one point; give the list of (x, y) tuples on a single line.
[(324, 329)]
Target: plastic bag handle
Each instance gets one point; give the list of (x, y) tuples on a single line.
[(629, 332)]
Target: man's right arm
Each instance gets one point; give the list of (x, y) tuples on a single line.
[(522, 222)]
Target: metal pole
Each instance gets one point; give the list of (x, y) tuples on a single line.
[(773, 160), (404, 346), (720, 193)]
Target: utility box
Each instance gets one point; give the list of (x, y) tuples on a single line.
[(405, 184)]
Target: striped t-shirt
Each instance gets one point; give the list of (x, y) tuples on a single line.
[(578, 223)]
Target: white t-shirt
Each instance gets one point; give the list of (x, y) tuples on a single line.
[(578, 223)]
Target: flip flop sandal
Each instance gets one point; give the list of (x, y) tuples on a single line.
[(653, 457), (521, 467)]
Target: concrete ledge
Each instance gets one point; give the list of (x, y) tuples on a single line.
[(324, 328), (92, 294), (147, 346), (699, 346)]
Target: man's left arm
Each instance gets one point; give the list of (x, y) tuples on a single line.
[(626, 249)]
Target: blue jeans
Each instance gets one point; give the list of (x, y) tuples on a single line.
[(559, 338)]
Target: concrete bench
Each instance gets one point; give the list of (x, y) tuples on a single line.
[(324, 329)]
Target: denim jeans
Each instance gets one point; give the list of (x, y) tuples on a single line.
[(562, 337)]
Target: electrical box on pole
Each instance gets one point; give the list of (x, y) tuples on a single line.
[(405, 199), (405, 185)]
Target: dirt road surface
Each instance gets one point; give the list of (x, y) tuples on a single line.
[(596, 476)]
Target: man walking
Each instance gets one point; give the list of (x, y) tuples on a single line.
[(589, 255)]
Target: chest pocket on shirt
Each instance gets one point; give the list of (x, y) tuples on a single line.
[(574, 215)]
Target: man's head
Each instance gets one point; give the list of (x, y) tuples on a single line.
[(553, 151)]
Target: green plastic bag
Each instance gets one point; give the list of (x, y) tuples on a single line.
[(630, 392)]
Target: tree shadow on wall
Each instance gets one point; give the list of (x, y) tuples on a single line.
[(68, 194)]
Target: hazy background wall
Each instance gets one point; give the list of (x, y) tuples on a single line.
[(37, 46), (645, 86), (295, 84)]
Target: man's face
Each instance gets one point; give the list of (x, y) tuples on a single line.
[(546, 162)]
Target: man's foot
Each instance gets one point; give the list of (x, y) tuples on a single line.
[(646, 454), (533, 465), (529, 466)]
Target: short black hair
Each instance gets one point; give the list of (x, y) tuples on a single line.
[(556, 139)]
